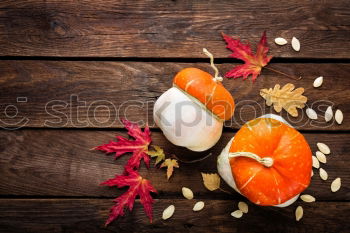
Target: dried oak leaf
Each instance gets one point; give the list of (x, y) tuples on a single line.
[(137, 187), (170, 164), (157, 152), (285, 97), (138, 147), (211, 181), (253, 63)]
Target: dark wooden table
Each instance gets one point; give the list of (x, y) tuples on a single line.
[(72, 56)]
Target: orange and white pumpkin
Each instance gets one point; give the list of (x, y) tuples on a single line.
[(267, 161), (192, 112)]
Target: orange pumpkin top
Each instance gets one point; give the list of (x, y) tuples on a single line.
[(212, 94), (290, 172)]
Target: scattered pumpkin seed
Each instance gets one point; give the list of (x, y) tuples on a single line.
[(243, 206), (198, 206), (335, 186), (328, 114), (339, 116), (321, 157), (237, 214), (280, 41), (295, 44), (323, 174), (168, 212), (299, 213), (187, 193), (311, 114), (323, 148), (315, 162), (307, 198), (318, 81)]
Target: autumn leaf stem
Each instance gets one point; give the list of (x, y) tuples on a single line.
[(191, 161), (225, 191), (280, 72)]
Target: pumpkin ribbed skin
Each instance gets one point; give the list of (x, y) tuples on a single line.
[(290, 173), (201, 86)]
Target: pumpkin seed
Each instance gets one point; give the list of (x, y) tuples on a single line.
[(323, 174), (339, 116), (295, 44), (237, 214), (307, 198), (198, 206), (315, 162), (280, 41), (321, 157), (335, 186), (243, 206), (299, 213), (311, 113), (312, 173), (188, 194), (328, 114), (323, 148), (318, 81), (168, 212)]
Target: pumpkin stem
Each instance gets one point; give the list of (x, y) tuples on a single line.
[(216, 78), (266, 161)]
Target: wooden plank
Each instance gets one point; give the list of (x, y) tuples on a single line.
[(82, 215), (96, 94), (59, 163), (169, 28)]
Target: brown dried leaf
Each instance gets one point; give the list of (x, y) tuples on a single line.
[(285, 97), (170, 164), (211, 181)]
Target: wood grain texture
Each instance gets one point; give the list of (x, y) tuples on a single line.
[(59, 163), (96, 94), (169, 28), (88, 215)]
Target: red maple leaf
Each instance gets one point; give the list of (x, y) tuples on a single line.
[(253, 63), (137, 187), (138, 147)]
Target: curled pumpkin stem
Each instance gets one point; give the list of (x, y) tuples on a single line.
[(216, 78), (266, 161)]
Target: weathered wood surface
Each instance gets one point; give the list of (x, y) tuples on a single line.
[(88, 215), (59, 163), (96, 94), (49, 179), (98, 28)]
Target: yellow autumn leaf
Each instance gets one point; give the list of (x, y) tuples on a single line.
[(170, 164), (285, 97), (157, 152), (211, 181)]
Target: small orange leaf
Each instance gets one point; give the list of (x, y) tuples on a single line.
[(170, 164)]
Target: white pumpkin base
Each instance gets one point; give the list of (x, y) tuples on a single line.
[(224, 167), (185, 122)]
